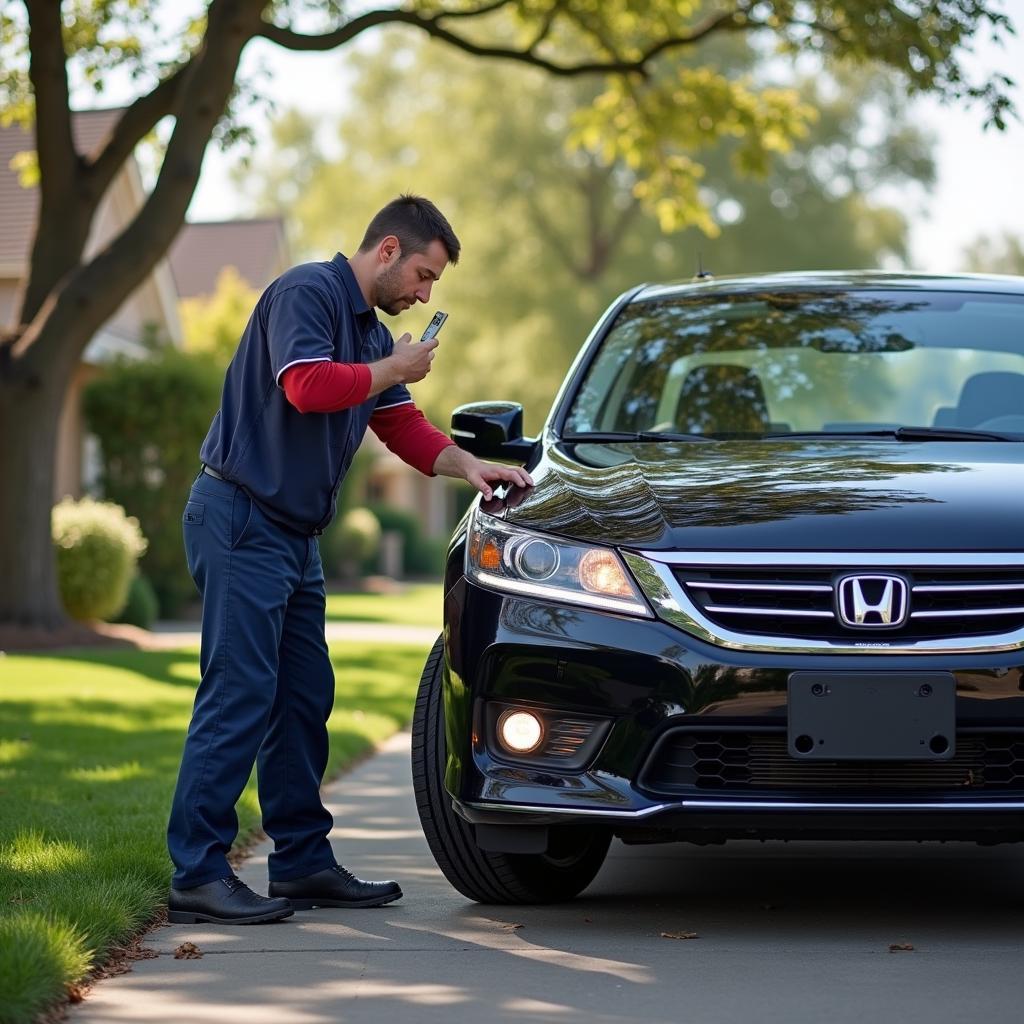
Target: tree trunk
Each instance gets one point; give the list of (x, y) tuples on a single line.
[(29, 416)]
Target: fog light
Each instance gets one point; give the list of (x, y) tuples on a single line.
[(520, 731)]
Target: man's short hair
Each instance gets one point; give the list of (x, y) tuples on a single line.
[(415, 222)]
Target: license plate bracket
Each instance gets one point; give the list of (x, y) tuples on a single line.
[(872, 716)]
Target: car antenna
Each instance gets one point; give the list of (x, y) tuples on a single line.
[(702, 274)]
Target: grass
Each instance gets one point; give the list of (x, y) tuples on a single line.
[(418, 605), (89, 750)]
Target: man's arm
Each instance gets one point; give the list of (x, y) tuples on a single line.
[(326, 386), (415, 440), (453, 461)]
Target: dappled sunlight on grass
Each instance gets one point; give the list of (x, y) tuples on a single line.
[(29, 853), (90, 744), (416, 605), (108, 773)]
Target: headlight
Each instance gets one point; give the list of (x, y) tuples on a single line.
[(508, 558)]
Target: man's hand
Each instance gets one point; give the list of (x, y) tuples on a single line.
[(453, 461), (412, 359), (409, 362)]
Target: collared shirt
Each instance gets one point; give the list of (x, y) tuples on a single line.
[(291, 463)]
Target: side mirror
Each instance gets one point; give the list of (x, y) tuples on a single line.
[(492, 430)]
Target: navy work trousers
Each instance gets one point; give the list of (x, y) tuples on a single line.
[(266, 692)]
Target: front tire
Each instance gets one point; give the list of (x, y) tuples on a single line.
[(575, 853)]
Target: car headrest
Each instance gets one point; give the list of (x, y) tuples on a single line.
[(986, 395), (721, 398)]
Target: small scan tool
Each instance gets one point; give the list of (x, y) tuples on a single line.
[(434, 326)]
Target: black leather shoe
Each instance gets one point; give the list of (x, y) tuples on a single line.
[(226, 901), (335, 887)]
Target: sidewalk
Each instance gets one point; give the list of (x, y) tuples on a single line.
[(787, 934)]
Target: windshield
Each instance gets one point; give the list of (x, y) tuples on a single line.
[(756, 364)]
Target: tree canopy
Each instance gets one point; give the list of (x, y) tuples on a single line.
[(998, 254), (659, 103), (551, 230)]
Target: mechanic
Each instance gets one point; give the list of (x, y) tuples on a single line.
[(313, 369)]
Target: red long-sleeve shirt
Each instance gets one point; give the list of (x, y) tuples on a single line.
[(330, 387)]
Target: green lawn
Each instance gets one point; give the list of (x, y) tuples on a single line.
[(89, 751), (418, 605)]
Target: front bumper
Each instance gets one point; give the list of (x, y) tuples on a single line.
[(650, 679)]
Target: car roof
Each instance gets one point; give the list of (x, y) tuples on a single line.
[(835, 280)]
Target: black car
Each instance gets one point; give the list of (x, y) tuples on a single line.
[(769, 584)]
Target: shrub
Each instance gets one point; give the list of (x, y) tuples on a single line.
[(421, 556), (213, 324), (151, 417), (351, 543), (97, 549), (143, 606)]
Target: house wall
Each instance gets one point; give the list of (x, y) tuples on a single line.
[(8, 301), (71, 437)]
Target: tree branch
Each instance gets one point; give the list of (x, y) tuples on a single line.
[(734, 19), (545, 27), (92, 292), (55, 148), (136, 122), (430, 24)]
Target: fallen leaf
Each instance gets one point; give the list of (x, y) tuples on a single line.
[(75, 993), (188, 951), (680, 935), (900, 947), (509, 927)]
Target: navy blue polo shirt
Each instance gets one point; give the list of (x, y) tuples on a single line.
[(291, 463)]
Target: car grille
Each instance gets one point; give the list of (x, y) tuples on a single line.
[(802, 602), (743, 761)]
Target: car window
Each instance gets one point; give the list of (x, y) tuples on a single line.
[(750, 364)]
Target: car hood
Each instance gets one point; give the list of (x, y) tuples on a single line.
[(778, 495)]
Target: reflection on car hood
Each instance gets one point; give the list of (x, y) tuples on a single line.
[(782, 495)]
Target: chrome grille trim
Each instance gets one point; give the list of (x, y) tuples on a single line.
[(841, 559), (959, 613), (783, 613), (654, 572), (788, 587), (1013, 806), (961, 588)]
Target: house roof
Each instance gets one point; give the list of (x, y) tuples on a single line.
[(255, 248), (19, 206)]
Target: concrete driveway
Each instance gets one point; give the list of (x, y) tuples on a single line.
[(790, 933)]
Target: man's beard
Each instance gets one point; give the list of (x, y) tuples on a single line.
[(389, 296)]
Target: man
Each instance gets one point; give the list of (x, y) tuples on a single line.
[(313, 369)]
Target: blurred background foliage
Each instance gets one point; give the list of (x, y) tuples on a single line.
[(151, 417), (1000, 254), (553, 227), (212, 325)]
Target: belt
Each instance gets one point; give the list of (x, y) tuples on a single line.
[(212, 472)]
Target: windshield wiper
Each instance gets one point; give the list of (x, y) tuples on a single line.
[(949, 434), (642, 435), (900, 434), (798, 435)]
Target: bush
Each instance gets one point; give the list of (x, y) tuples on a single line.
[(151, 417), (421, 556), (143, 606), (351, 544), (97, 549)]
